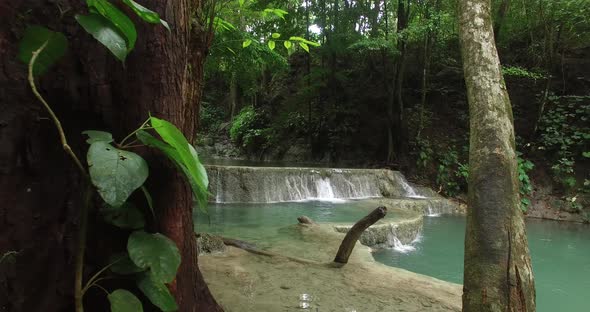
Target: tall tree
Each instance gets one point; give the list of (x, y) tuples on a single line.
[(498, 273), (39, 186)]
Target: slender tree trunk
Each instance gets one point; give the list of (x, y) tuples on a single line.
[(499, 21), (498, 274)]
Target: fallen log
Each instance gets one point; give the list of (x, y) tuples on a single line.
[(249, 247), (354, 234)]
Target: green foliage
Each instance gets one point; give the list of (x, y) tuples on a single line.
[(525, 187), (211, 117), (117, 18), (452, 174), (565, 136), (34, 38), (519, 72), (128, 216), (106, 33), (124, 301), (121, 264), (115, 173), (155, 252), (157, 292), (244, 122), (182, 153)]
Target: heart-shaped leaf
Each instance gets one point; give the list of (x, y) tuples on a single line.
[(98, 136), (115, 173), (156, 252), (123, 265), (106, 33), (35, 37), (271, 44), (124, 301), (126, 217), (157, 292)]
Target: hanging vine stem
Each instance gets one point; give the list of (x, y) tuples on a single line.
[(78, 291)]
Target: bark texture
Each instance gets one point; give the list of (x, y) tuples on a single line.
[(164, 77), (353, 235), (40, 189), (498, 273)]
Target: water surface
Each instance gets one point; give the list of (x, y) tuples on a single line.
[(560, 255)]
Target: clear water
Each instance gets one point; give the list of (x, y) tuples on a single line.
[(264, 224), (560, 255)]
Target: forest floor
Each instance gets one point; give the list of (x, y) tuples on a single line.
[(242, 281)]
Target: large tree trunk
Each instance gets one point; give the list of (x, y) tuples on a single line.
[(164, 77), (39, 186), (498, 273)]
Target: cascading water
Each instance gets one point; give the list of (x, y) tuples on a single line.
[(233, 184), (432, 212), (410, 192)]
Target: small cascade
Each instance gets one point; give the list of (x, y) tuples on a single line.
[(410, 192), (324, 189), (398, 246), (431, 212)]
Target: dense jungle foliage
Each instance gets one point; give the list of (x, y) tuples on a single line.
[(385, 88)]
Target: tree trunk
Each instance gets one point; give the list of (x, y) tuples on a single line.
[(498, 274), (164, 77), (39, 186)]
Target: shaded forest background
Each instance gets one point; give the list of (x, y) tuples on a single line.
[(386, 89)]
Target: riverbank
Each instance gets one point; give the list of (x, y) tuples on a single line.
[(242, 281)]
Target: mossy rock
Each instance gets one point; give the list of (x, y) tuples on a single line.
[(208, 243)]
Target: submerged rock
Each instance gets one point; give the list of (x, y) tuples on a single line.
[(209, 243)]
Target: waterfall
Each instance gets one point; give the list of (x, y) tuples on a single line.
[(324, 189), (431, 212), (410, 192), (237, 184), (398, 246)]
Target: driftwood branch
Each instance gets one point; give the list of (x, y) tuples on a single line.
[(249, 247), (355, 232)]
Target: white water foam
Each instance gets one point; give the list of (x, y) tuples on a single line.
[(410, 192), (398, 246), (431, 212)]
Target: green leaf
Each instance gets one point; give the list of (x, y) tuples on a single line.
[(106, 33), (148, 199), (304, 46), (276, 35), (271, 44), (241, 2), (33, 39), (98, 136), (126, 217), (115, 173), (246, 43), (300, 39), (122, 264), (156, 252), (124, 301), (157, 292), (179, 150), (586, 154), (288, 44), (118, 18), (146, 14)]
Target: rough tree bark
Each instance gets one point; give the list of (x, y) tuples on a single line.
[(40, 188), (164, 77), (498, 274)]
